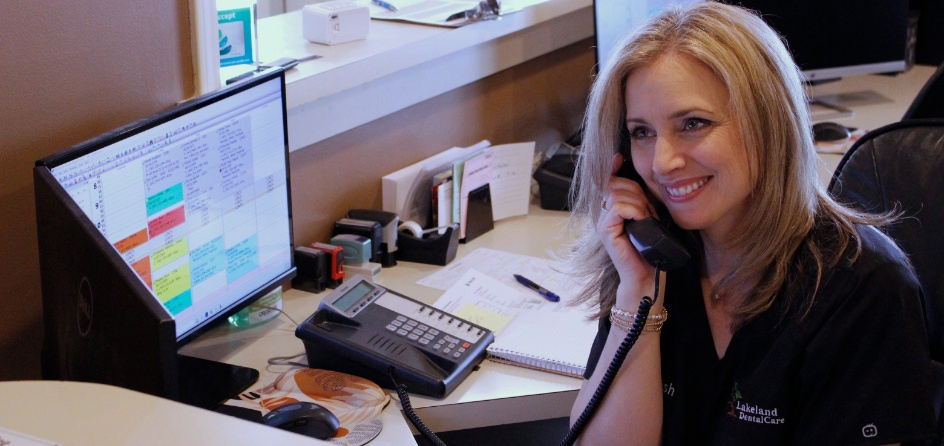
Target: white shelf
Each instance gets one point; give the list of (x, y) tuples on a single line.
[(401, 64)]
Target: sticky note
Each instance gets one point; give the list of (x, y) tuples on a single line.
[(480, 316)]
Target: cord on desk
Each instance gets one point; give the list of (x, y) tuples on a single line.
[(283, 360), (410, 413), (276, 309), (286, 360)]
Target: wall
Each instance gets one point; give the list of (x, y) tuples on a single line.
[(541, 100), (82, 70), (70, 71)]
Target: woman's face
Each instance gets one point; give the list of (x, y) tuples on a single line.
[(686, 145)]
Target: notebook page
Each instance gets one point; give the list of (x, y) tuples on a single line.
[(549, 340)]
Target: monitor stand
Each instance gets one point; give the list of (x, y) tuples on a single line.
[(822, 110), (832, 105), (207, 384)]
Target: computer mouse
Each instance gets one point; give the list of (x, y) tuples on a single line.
[(304, 418), (830, 131)]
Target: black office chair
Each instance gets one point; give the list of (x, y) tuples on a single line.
[(901, 167), (930, 100)]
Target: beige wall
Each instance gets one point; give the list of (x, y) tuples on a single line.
[(71, 72)]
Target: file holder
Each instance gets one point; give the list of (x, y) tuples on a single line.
[(479, 219), (437, 249)]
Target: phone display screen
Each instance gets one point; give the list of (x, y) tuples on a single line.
[(346, 301)]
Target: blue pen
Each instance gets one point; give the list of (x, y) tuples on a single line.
[(385, 5), (541, 290)]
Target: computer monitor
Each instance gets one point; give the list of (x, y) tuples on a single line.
[(828, 38), (614, 19), (153, 232)]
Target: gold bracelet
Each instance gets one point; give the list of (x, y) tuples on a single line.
[(625, 315), (654, 322)]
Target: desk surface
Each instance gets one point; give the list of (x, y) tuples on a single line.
[(77, 414), (899, 90), (497, 393)]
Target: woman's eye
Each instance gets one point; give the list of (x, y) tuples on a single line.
[(639, 132), (694, 123)]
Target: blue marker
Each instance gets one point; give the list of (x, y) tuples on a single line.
[(385, 5), (541, 290)]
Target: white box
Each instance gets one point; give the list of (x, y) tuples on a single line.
[(334, 22)]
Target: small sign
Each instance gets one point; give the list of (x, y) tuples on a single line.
[(235, 36)]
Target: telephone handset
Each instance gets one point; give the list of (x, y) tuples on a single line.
[(648, 235), (655, 245)]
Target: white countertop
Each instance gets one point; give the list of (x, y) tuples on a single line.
[(76, 414)]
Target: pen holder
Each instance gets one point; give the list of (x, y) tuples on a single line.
[(437, 249)]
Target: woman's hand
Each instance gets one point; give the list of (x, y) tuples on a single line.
[(624, 199)]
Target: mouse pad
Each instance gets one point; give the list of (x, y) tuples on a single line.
[(356, 402)]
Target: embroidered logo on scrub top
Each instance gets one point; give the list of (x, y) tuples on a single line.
[(752, 413)]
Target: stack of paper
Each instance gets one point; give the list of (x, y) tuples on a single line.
[(436, 12)]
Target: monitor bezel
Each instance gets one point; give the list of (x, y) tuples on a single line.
[(816, 74), (111, 137)]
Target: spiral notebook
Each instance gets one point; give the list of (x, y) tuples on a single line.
[(556, 342)]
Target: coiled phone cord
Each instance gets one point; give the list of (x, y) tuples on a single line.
[(410, 413), (638, 324)]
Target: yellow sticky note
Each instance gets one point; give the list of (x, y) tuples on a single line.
[(480, 316)]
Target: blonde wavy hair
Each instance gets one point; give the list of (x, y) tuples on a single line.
[(794, 232)]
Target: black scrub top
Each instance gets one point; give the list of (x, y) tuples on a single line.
[(855, 370)]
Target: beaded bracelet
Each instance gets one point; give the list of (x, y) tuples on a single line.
[(653, 324)]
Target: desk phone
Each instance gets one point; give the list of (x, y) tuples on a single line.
[(364, 329)]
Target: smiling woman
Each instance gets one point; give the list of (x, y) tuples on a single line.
[(700, 119)]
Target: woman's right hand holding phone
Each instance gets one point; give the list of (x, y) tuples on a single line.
[(625, 200)]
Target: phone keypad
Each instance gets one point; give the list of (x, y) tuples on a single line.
[(425, 336)]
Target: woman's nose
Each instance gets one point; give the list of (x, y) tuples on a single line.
[(667, 156)]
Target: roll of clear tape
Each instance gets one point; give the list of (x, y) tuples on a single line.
[(411, 227)]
